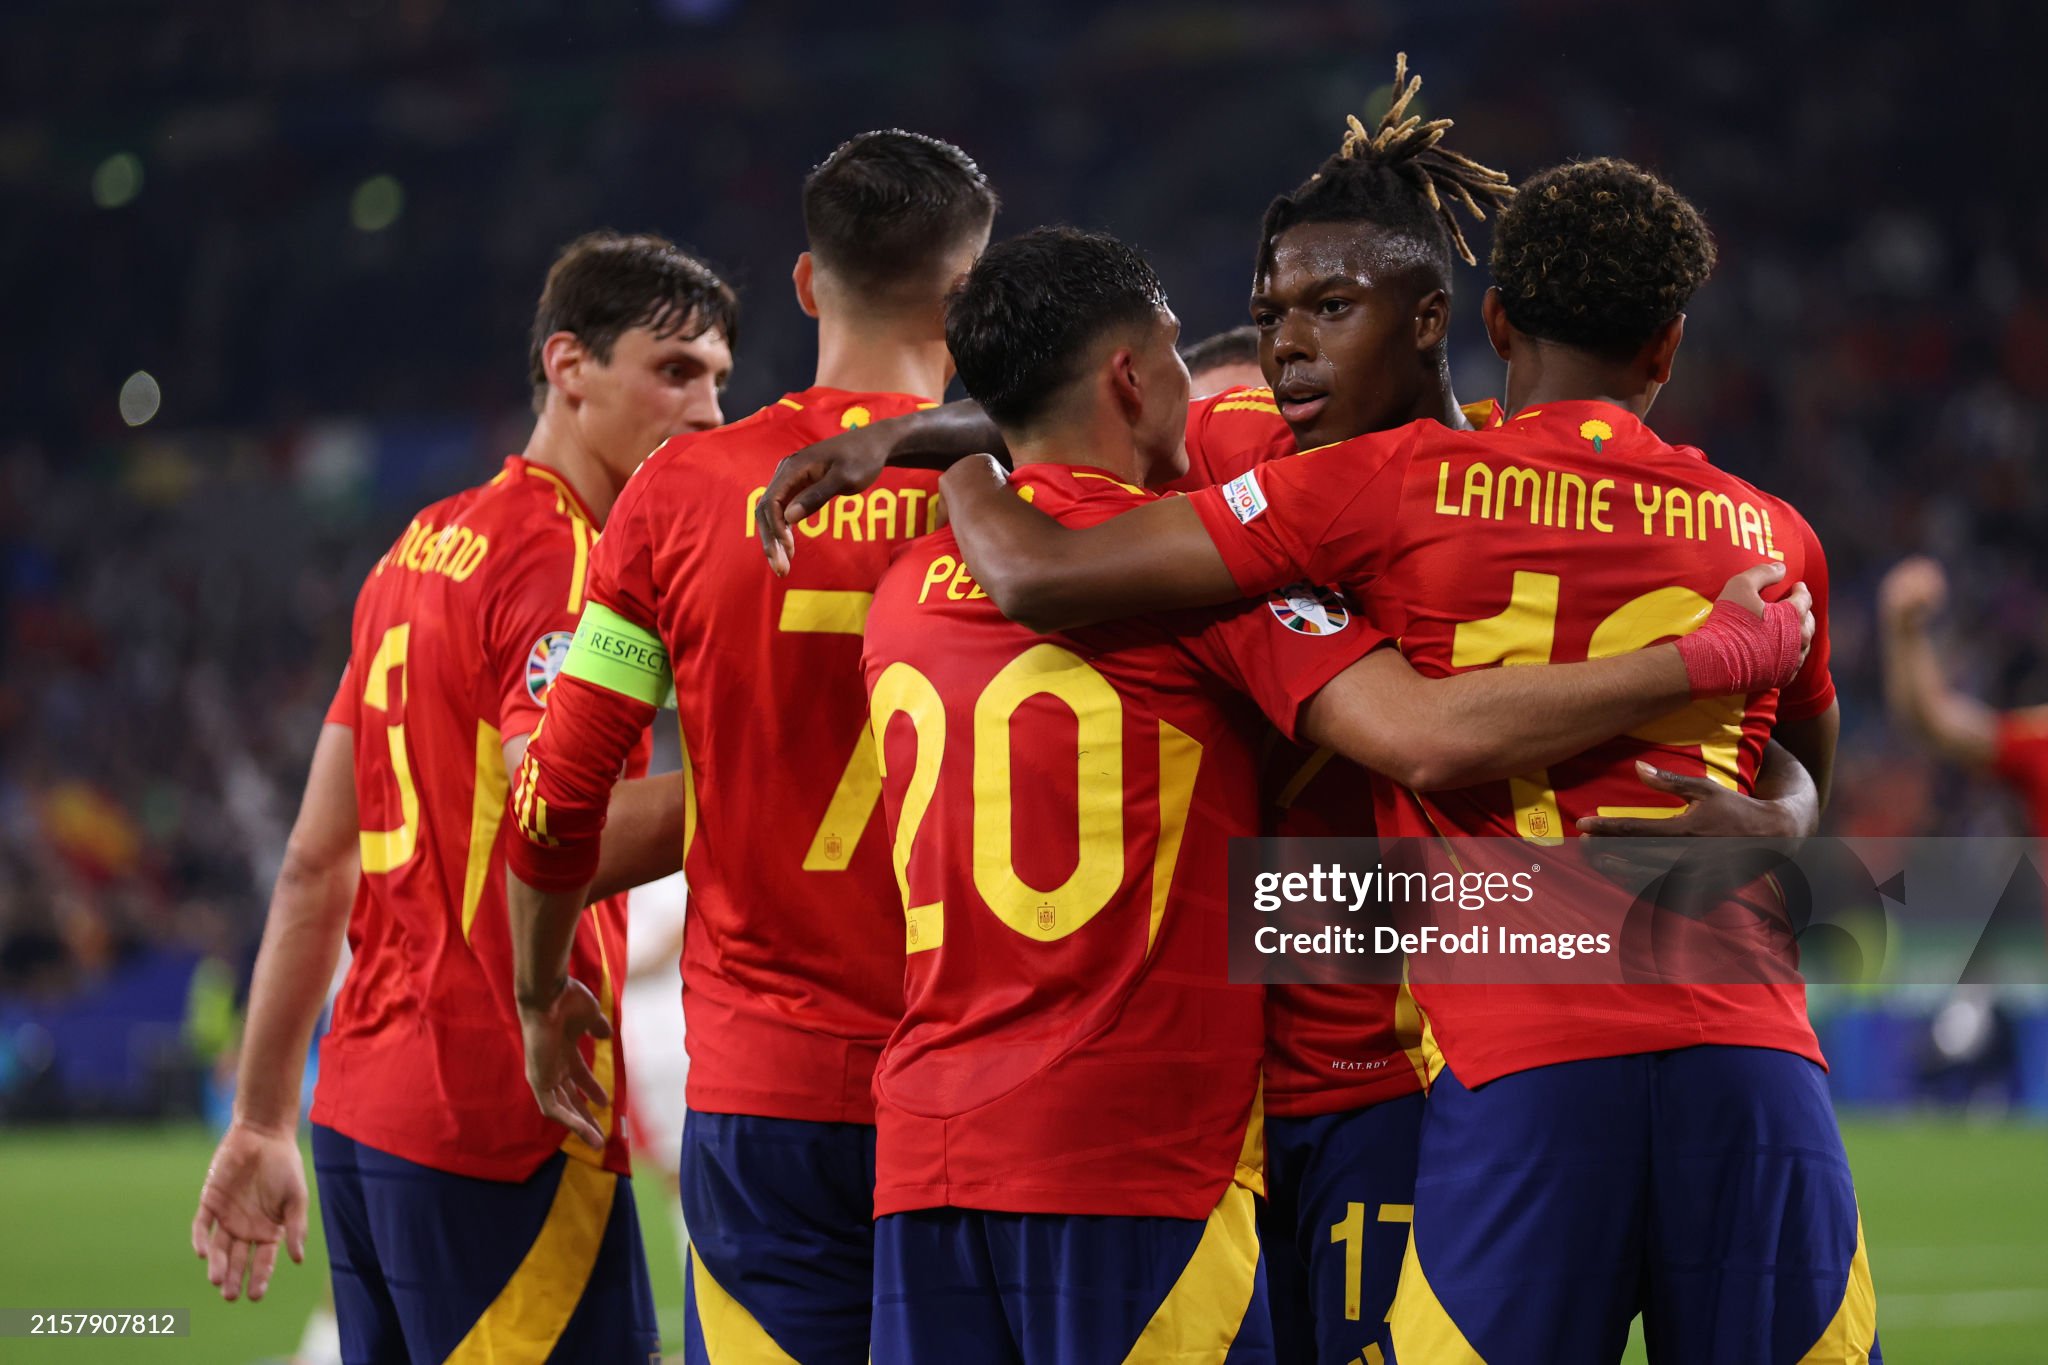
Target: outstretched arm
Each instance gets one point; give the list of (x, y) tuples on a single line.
[(255, 1191), (1052, 578), (1432, 734), (851, 462), (1956, 725)]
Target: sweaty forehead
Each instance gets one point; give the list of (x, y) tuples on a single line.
[(1308, 254)]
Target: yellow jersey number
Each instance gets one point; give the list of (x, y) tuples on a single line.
[(1524, 633), (1044, 914)]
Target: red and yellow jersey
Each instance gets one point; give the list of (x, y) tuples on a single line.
[(458, 634), (1062, 808), (2021, 759), (1231, 432), (1328, 1048), (1572, 532), (792, 959)]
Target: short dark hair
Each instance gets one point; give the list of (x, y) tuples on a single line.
[(1021, 321), (605, 283), (1599, 255), (885, 207), (1397, 176), (1238, 346)]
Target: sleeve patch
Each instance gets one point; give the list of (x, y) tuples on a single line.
[(1244, 497), (544, 661), (613, 653), (1309, 610)]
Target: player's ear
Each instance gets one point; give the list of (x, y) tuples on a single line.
[(1494, 314), (1432, 320), (1125, 384), (563, 357), (1662, 349), (806, 291)]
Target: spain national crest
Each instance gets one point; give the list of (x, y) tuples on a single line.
[(544, 662), (1310, 610), (1047, 917)]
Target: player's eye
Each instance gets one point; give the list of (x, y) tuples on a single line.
[(1330, 308), (1265, 321)]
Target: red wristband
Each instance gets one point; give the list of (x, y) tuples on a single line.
[(1735, 652)]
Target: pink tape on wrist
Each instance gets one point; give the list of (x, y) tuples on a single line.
[(1733, 651)]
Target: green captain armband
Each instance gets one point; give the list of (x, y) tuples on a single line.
[(611, 652)]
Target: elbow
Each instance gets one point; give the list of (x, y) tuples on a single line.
[(1426, 773), (1436, 764), (305, 865), (1026, 597)]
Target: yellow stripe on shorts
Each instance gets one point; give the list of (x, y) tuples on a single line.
[(1848, 1338), (1421, 1325), (527, 1318), (731, 1334), (1200, 1316)]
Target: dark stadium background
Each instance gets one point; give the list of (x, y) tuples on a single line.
[(318, 232)]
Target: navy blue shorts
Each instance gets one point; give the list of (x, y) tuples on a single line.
[(1340, 1190), (432, 1266), (1706, 1188), (954, 1286), (782, 1243)]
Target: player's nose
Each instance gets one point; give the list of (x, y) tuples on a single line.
[(704, 415), (1291, 339)]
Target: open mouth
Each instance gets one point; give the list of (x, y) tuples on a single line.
[(1300, 406)]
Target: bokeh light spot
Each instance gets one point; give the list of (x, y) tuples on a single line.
[(376, 204), (140, 398), (117, 180)]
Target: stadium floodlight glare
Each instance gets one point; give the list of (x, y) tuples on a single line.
[(117, 180), (140, 398), (376, 203)]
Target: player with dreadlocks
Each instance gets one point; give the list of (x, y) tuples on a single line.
[(1351, 298), (1352, 289)]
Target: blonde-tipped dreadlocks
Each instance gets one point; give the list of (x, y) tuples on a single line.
[(1396, 175)]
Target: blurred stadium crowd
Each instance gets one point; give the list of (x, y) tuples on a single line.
[(320, 232)]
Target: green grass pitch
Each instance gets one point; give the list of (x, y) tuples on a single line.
[(1956, 1216)]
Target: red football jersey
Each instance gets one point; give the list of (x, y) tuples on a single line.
[(792, 959), (1231, 432), (1328, 1048), (1062, 808), (458, 634), (2021, 758), (1572, 532)]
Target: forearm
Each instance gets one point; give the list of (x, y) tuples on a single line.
[(1921, 700), (302, 940), (643, 834), (543, 932), (936, 437), (302, 937), (1782, 781), (1510, 720), (1048, 577), (1811, 742), (563, 787), (1434, 734)]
